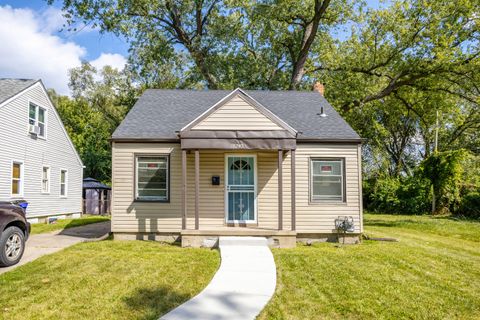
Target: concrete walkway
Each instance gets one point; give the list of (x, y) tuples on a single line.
[(240, 289), (41, 244)]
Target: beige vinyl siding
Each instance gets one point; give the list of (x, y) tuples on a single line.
[(56, 152), (237, 114), (319, 217), (130, 216)]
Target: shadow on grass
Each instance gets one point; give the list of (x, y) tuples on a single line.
[(94, 229), (151, 303)]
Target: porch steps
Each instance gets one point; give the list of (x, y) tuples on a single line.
[(242, 241)]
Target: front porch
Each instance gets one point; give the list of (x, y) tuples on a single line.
[(226, 200)]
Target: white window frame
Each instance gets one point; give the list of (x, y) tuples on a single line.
[(48, 180), (37, 115), (66, 183), (22, 179), (167, 185), (342, 179)]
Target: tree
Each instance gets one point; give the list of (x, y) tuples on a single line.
[(99, 102), (215, 36)]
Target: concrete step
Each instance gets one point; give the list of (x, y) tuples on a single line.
[(242, 241)]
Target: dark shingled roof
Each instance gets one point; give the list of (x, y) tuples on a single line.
[(159, 113), (90, 183), (10, 87)]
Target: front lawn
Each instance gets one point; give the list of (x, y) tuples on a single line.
[(67, 223), (432, 273), (106, 280)]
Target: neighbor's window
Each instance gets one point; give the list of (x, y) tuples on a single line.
[(17, 178), (63, 183), (327, 180), (36, 117), (152, 178), (46, 179)]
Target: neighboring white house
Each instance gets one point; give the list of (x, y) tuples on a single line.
[(38, 161)]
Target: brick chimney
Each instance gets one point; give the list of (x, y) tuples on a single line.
[(319, 87)]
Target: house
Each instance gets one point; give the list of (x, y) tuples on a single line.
[(38, 162), (202, 164)]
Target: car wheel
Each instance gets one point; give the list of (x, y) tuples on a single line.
[(12, 245)]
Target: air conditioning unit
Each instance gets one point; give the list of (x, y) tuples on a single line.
[(34, 129)]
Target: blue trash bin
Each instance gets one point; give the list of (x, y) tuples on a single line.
[(24, 205)]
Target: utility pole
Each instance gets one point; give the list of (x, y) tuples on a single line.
[(435, 151)]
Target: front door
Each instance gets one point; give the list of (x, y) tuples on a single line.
[(240, 189)]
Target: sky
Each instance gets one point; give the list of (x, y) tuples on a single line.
[(34, 45)]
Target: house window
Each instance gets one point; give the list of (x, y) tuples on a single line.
[(327, 180), (46, 180), (152, 178), (17, 178), (63, 183), (37, 117)]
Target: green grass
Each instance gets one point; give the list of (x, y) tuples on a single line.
[(433, 272), (67, 223), (106, 280)]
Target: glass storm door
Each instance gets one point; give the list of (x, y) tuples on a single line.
[(240, 188)]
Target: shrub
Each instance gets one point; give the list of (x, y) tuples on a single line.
[(470, 206)]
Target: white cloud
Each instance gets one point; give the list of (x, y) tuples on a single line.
[(30, 49), (114, 60)]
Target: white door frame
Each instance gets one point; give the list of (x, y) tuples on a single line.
[(255, 181)]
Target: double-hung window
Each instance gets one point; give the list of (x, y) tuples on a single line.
[(63, 183), (37, 116), (327, 181), (152, 178), (17, 179), (45, 180)]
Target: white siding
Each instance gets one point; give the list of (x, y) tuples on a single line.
[(237, 114), (56, 151)]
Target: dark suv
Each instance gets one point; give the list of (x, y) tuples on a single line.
[(14, 231)]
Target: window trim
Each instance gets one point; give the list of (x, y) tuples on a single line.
[(22, 179), (49, 179), (135, 177), (66, 184), (310, 182), (45, 123)]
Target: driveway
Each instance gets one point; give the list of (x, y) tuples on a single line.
[(46, 243)]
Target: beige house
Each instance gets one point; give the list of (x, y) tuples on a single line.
[(197, 165)]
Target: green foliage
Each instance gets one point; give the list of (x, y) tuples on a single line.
[(470, 205), (444, 171), (100, 100), (406, 195), (400, 73)]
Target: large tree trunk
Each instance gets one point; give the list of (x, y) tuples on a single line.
[(309, 35)]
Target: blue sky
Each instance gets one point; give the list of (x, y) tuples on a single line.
[(33, 45)]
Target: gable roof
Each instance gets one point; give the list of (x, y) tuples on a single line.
[(254, 105), (160, 114), (11, 87)]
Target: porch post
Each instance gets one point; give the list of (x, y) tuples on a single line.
[(280, 190), (292, 188), (184, 189), (197, 187)]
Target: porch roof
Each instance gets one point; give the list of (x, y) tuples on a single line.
[(160, 115)]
